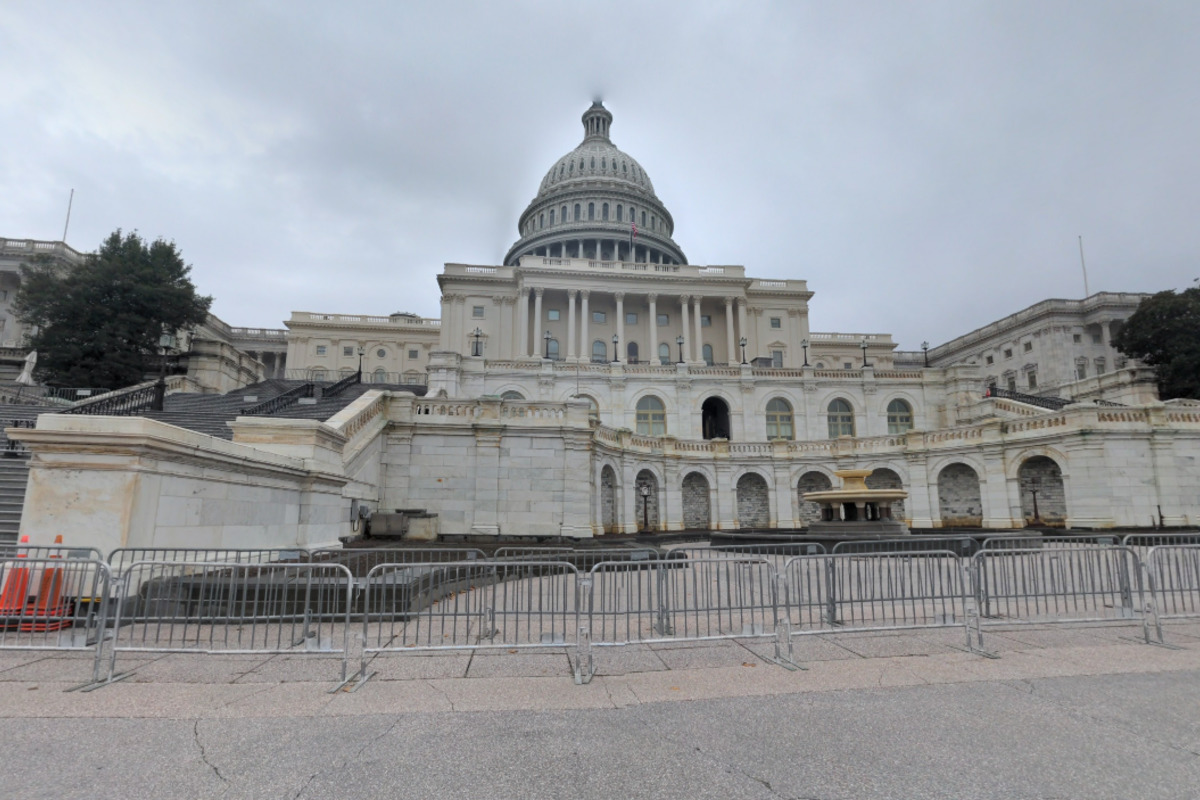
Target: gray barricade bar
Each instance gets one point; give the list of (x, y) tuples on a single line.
[(1172, 584), (122, 558)]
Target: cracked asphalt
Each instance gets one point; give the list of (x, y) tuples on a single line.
[(1076, 711)]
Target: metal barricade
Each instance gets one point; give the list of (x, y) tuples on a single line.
[(1072, 584), (15, 550), (204, 607), (1035, 541), (680, 600), (1161, 539), (1172, 584), (582, 558), (877, 591), (785, 549), (360, 561), (961, 545), (53, 604), (120, 559), (470, 606)]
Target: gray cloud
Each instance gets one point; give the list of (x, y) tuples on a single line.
[(926, 167)]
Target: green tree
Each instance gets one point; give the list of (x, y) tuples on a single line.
[(99, 321), (1164, 332)]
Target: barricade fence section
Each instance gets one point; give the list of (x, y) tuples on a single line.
[(583, 558), (15, 550), (1172, 584), (960, 545), (1074, 584), (877, 591), (122, 558), (205, 607), (361, 562), (471, 605), (1160, 539), (1056, 542)]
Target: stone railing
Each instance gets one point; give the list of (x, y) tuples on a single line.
[(35, 247), (364, 319), (265, 334), (854, 338), (361, 421)]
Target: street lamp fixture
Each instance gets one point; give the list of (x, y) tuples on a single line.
[(165, 342), (804, 345), (477, 348), (863, 345), (742, 342), (362, 351), (679, 341), (547, 338), (644, 491), (925, 350), (616, 349)]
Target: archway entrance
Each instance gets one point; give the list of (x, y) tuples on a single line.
[(884, 478), (753, 501), (697, 513), (714, 417), (1043, 496), (811, 482), (608, 500), (646, 494), (960, 504)]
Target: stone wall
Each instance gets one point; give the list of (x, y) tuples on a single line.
[(888, 479), (697, 512), (811, 482), (960, 503), (753, 502), (1043, 475)]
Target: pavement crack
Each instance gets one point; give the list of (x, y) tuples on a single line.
[(443, 693), (204, 754)]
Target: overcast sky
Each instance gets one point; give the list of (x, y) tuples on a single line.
[(926, 167)]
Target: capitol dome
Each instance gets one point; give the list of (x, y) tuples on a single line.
[(596, 202)]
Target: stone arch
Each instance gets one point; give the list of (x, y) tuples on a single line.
[(697, 505), (887, 478), (753, 501), (608, 500), (960, 503), (1043, 475), (811, 481), (714, 417), (646, 505)]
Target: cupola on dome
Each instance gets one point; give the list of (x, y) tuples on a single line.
[(597, 202)]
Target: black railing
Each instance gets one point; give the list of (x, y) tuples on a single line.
[(342, 385), (1054, 403), (123, 404), (278, 402)]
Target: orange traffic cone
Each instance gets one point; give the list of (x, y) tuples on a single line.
[(15, 593), (50, 612)]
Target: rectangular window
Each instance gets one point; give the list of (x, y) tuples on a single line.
[(477, 311), (664, 320), (1099, 366), (414, 354), (777, 359), (1008, 352), (1080, 371), (1033, 380), (776, 322), (347, 351), (1096, 338), (320, 349), (705, 321), (1012, 384), (1028, 346), (1077, 338), (989, 359), (599, 316), (630, 318), (847, 365), (552, 314)]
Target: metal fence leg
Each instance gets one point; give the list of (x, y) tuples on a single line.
[(585, 665), (830, 593), (784, 651), (662, 623)]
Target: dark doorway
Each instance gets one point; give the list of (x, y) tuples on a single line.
[(715, 418)]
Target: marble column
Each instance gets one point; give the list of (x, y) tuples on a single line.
[(732, 354), (571, 354), (537, 318), (523, 310), (741, 310), (652, 355), (585, 346), (617, 356), (686, 355), (698, 349)]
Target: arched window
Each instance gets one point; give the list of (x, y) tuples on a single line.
[(552, 217), (779, 419), (841, 419), (619, 210), (591, 211), (380, 375), (320, 375), (552, 350), (599, 352), (593, 162), (707, 354), (664, 353), (541, 221), (563, 217), (604, 212), (651, 417), (631, 352), (512, 394), (643, 219), (577, 217), (899, 414)]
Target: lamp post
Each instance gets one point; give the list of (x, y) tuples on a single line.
[(742, 342), (1034, 483), (616, 349), (644, 491), (863, 345), (165, 342), (547, 338), (925, 350), (679, 341), (362, 351), (477, 348), (804, 346)]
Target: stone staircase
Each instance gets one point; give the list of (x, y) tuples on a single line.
[(14, 468)]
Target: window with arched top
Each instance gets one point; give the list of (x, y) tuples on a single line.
[(604, 163), (643, 219), (841, 419), (512, 394), (664, 353), (552, 349), (380, 375), (779, 419), (563, 216), (706, 353), (599, 351), (591, 211), (899, 416), (541, 220), (604, 212), (651, 416), (620, 218), (593, 162), (631, 352), (552, 217), (577, 215)]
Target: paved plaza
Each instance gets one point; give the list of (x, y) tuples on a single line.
[(1076, 711)]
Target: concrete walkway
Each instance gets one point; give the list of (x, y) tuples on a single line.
[(1065, 712)]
